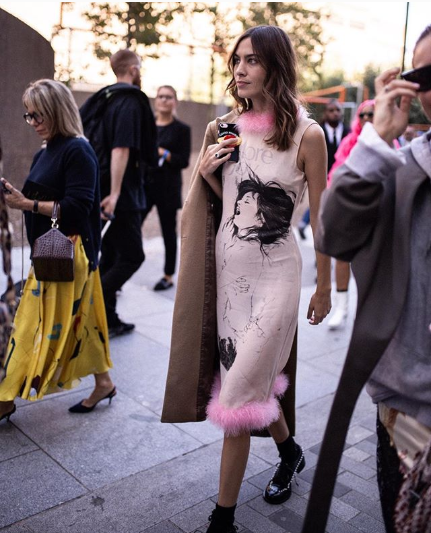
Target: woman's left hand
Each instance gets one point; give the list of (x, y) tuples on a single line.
[(319, 308), (14, 198)]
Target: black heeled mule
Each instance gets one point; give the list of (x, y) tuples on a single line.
[(9, 414), (80, 408)]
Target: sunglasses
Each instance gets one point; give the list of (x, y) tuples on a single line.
[(369, 115), (419, 75), (28, 117)]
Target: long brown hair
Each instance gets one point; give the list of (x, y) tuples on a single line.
[(275, 53)]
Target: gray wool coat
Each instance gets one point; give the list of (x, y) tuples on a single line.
[(365, 218)]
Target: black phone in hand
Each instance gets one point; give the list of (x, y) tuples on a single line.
[(227, 130)]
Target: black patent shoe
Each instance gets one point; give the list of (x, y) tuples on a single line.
[(80, 408), (8, 414), (279, 488)]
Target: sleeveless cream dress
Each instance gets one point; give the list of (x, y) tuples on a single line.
[(258, 278)]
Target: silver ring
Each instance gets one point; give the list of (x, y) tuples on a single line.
[(217, 155)]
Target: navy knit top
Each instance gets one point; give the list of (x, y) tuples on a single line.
[(67, 171)]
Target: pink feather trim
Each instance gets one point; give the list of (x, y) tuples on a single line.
[(252, 122), (252, 415), (281, 384)]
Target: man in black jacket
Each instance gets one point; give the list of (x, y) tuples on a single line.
[(125, 142), (333, 128)]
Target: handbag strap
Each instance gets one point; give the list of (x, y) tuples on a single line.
[(6, 245), (54, 215)]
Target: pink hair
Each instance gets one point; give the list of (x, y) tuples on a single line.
[(349, 141), (252, 415)]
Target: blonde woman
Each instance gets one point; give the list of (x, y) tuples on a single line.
[(60, 332)]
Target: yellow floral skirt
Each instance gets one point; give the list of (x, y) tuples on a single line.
[(60, 334)]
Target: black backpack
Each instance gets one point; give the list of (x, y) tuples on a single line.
[(92, 113)]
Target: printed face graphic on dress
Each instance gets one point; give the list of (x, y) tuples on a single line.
[(261, 215), (246, 214), (262, 212)]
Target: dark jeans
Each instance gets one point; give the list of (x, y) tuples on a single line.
[(389, 477), (122, 255), (306, 218), (168, 223)]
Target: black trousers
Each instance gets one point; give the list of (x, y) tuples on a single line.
[(389, 477), (122, 255), (168, 222)]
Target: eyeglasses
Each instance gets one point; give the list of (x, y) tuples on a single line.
[(28, 117), (369, 115), (165, 96), (419, 75)]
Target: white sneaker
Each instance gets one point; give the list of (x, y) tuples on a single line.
[(339, 317)]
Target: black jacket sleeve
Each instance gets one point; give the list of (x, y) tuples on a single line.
[(181, 154)]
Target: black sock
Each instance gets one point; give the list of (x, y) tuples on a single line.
[(287, 449), (224, 515)]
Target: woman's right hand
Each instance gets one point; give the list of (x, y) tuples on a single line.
[(390, 120), (210, 163), (14, 198)]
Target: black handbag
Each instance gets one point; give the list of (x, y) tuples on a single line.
[(53, 254)]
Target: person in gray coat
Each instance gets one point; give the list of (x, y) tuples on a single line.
[(377, 215)]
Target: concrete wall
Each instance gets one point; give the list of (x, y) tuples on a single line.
[(24, 56)]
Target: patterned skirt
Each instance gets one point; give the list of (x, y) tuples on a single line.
[(60, 334)]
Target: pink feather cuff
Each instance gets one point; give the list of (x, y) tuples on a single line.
[(250, 416)]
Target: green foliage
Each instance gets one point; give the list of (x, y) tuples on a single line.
[(150, 24), (417, 116), (370, 74), (132, 23), (332, 79)]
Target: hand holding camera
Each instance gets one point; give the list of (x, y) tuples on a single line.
[(391, 118)]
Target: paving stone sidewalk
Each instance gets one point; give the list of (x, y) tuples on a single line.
[(119, 470)]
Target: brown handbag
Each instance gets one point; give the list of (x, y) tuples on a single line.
[(53, 254)]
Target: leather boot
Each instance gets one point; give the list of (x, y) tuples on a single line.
[(220, 526), (339, 316), (279, 488)]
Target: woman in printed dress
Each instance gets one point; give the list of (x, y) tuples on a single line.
[(258, 263)]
